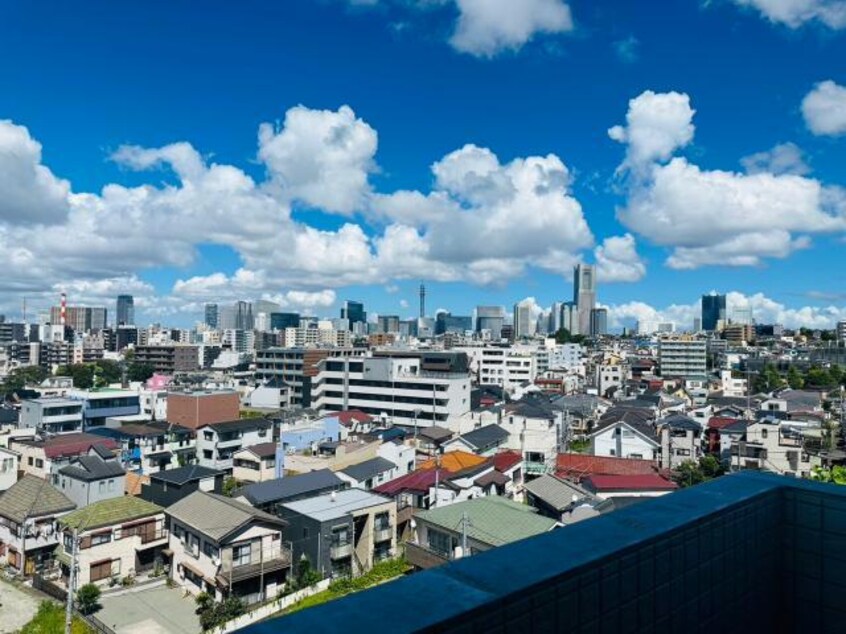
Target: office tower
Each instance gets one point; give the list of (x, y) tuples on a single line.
[(265, 306), (570, 318), (79, 318), (742, 316), (713, 311), (584, 293), (243, 316), (555, 316), (211, 316), (490, 318), (697, 324), (354, 312), (125, 310), (524, 323), (388, 323), (422, 300), (99, 318), (280, 321), (447, 322), (598, 322)]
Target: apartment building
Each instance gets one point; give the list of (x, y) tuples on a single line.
[(296, 367), (152, 447), (202, 407), (100, 404), (52, 415), (409, 389), (507, 367), (682, 357), (169, 359), (217, 443)]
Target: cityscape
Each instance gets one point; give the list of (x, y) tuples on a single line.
[(437, 316)]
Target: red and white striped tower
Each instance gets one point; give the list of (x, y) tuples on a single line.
[(63, 308)]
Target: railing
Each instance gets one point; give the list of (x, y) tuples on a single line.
[(338, 551), (381, 534), (146, 538), (269, 559), (424, 557)]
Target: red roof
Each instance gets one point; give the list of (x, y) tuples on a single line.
[(505, 460), (353, 415), (420, 480), (718, 422), (643, 482), (75, 444), (576, 466)]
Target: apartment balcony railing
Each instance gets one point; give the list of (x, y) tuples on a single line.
[(382, 533), (749, 552), (269, 560), (151, 537)]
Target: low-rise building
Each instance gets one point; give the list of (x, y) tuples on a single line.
[(625, 439), (100, 404), (369, 474), (204, 407), (343, 533), (169, 359), (52, 415), (168, 487), (628, 486), (9, 461), (147, 448), (118, 538), (256, 463), (45, 457), (92, 478), (227, 548), (268, 495), (217, 443)]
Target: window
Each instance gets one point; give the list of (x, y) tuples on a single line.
[(382, 521), (192, 544), (241, 555), (101, 570), (101, 538), (102, 486), (68, 542), (611, 452), (208, 435), (763, 433), (439, 542), (210, 550), (340, 536), (111, 485), (39, 463)]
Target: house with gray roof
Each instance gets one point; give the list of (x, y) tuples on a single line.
[(226, 548), (484, 441), (92, 478), (267, 496), (625, 437), (370, 473), (28, 513)]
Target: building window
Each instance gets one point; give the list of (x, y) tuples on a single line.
[(340, 536), (439, 542), (102, 486), (30, 461), (382, 521), (763, 433), (210, 550), (111, 485), (101, 538), (241, 555), (39, 463)]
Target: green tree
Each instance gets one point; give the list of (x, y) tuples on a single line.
[(213, 615), (819, 377), (768, 379), (794, 378), (87, 598), (23, 376), (306, 575), (692, 472), (107, 372), (230, 485), (81, 373), (837, 374), (139, 371), (834, 475)]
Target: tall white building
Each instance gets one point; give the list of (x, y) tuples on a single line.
[(584, 294), (525, 324), (682, 357)]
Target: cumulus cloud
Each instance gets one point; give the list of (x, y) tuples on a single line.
[(795, 13), (715, 216), (784, 158), (824, 109), (617, 260), (29, 192)]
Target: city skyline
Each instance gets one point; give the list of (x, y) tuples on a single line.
[(165, 195)]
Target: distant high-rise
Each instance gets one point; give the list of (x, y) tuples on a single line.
[(125, 310), (570, 318), (524, 323), (422, 300), (388, 323), (584, 293), (490, 318), (354, 312), (79, 318), (243, 315), (211, 316), (598, 322), (280, 321), (713, 311)]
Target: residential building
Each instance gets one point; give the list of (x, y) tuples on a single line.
[(53, 415), (256, 463), (409, 389), (118, 538), (628, 486), (218, 442), (625, 439), (369, 474), (45, 457), (197, 408), (483, 441), (125, 311), (169, 359), (100, 404), (9, 461), (227, 548), (507, 367), (584, 294), (151, 447), (168, 487), (91, 478), (28, 512), (308, 433), (682, 357), (296, 367), (841, 330), (562, 500), (270, 494), (713, 312), (488, 522), (681, 440), (343, 533), (775, 445)]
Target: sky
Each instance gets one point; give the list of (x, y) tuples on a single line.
[(312, 151)]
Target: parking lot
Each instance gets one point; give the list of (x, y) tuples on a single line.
[(159, 610), (17, 607)]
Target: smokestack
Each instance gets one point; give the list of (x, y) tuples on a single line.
[(422, 300), (63, 307)]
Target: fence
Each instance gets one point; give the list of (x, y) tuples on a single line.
[(48, 587), (272, 607)]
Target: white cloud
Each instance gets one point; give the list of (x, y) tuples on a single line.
[(403, 303), (824, 109), (714, 216), (657, 124), (321, 157), (29, 192), (617, 260), (488, 27), (627, 49), (795, 13), (784, 158)]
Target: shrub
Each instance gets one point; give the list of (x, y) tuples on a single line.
[(87, 598)]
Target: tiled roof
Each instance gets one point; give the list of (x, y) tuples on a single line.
[(574, 465), (215, 515), (262, 450), (368, 469), (350, 416), (492, 477), (420, 481), (643, 482), (454, 461), (493, 520), (110, 512), (32, 497), (557, 492), (90, 468), (505, 460), (181, 475), (719, 422), (435, 432), (485, 437), (290, 486), (73, 444)]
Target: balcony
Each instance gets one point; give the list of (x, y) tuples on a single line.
[(422, 557), (748, 552), (154, 538), (339, 551), (270, 560), (383, 533)]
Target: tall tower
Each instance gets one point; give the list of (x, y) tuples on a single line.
[(422, 300), (584, 294), (63, 310)]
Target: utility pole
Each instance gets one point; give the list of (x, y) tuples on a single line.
[(465, 523), (71, 583)]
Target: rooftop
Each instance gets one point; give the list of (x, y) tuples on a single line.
[(181, 475), (576, 465), (484, 437), (638, 482), (217, 516), (243, 424), (110, 512), (91, 468), (368, 469), (454, 461), (289, 486), (261, 450), (330, 506), (32, 497)]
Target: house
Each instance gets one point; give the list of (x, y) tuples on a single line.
[(576, 466), (91, 478), (488, 522), (775, 445), (28, 512), (561, 499), (168, 487), (53, 415), (721, 435), (627, 486), (44, 458), (118, 538), (484, 441), (274, 394), (415, 490), (510, 464), (226, 548), (218, 442), (369, 474), (268, 495), (534, 427), (621, 439), (342, 533), (354, 421), (8, 468), (681, 440), (151, 447), (256, 463), (431, 439)]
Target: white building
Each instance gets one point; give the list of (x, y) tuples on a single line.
[(218, 442), (507, 367), (52, 415), (682, 357), (9, 461), (621, 439)]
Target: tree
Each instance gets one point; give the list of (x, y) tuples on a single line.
[(768, 379), (81, 373), (19, 378), (819, 377), (87, 598), (306, 575), (564, 336), (213, 615), (834, 475), (229, 486), (107, 372), (140, 372), (794, 378), (691, 472)]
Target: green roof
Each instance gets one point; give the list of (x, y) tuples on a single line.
[(32, 496), (110, 512), (493, 520)]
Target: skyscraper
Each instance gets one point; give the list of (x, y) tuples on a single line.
[(713, 311), (524, 322), (125, 310), (490, 318), (243, 315), (598, 322), (422, 300), (354, 312), (584, 293), (211, 317)]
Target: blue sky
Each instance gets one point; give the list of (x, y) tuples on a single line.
[(162, 106)]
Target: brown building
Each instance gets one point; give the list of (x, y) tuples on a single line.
[(169, 359), (195, 409)]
